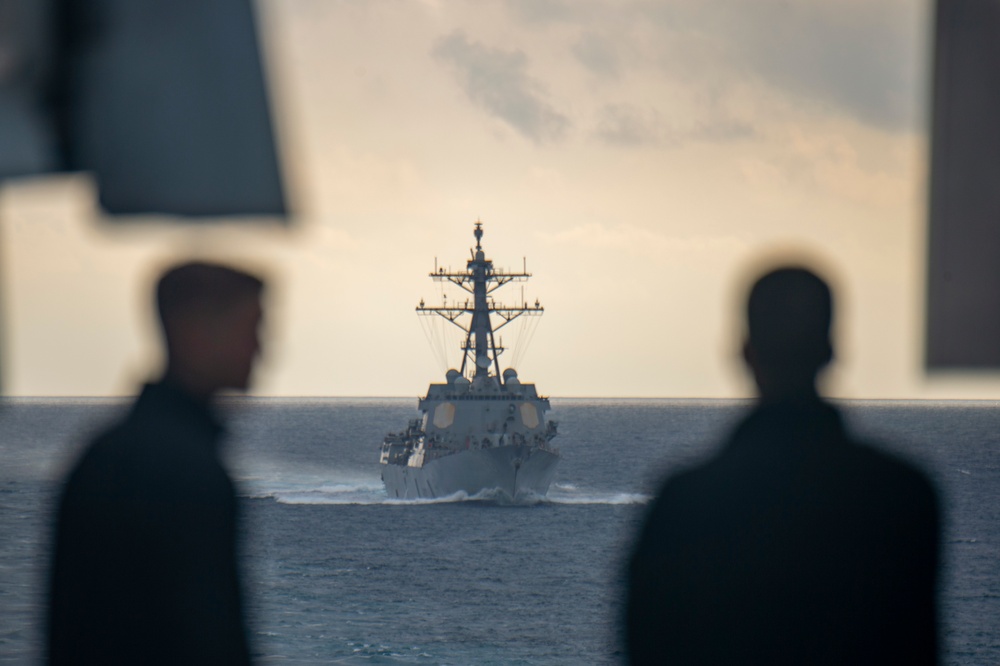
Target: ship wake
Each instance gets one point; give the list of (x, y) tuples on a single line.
[(361, 492)]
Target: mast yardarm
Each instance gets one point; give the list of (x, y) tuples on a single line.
[(480, 279)]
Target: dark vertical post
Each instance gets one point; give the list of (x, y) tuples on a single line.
[(963, 270)]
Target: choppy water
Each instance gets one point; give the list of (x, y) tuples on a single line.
[(342, 574)]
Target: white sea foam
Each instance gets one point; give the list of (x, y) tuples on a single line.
[(361, 496), (372, 493), (357, 487), (328, 495), (597, 498), (460, 496)]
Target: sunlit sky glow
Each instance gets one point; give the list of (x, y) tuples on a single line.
[(645, 156)]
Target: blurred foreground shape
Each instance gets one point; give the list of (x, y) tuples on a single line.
[(164, 102), (963, 272)]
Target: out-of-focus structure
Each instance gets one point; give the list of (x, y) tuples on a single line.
[(963, 287), (164, 103)]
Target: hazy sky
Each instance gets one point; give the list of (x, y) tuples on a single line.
[(645, 156)]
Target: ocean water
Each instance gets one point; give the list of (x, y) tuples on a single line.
[(340, 574)]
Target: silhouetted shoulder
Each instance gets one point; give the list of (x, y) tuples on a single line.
[(895, 476), (147, 522), (793, 544)]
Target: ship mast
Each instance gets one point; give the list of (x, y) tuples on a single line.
[(480, 279)]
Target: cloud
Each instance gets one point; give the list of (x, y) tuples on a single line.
[(630, 241), (598, 55), (853, 57), (628, 126), (498, 82), (543, 11), (721, 129), (861, 57)]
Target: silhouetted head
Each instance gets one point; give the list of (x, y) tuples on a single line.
[(789, 312), (210, 315)]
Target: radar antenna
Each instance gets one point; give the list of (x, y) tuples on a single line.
[(480, 279)]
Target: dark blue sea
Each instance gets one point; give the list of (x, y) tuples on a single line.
[(340, 574)]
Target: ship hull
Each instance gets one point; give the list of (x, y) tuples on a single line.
[(507, 472)]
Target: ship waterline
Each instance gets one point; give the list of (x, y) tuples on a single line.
[(515, 473)]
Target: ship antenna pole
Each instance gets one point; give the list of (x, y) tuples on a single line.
[(481, 315)]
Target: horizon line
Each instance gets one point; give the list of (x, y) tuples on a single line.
[(253, 396)]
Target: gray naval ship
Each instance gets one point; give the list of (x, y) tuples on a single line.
[(482, 432)]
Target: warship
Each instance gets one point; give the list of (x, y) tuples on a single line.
[(482, 432)]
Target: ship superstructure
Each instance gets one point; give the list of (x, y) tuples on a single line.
[(482, 432)]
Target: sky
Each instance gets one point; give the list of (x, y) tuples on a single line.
[(646, 159)]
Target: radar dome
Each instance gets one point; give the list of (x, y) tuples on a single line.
[(452, 375), (509, 372)]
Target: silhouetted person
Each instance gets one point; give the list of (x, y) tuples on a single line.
[(145, 566), (794, 544)]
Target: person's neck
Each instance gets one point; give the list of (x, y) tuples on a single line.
[(786, 392), (189, 382)]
